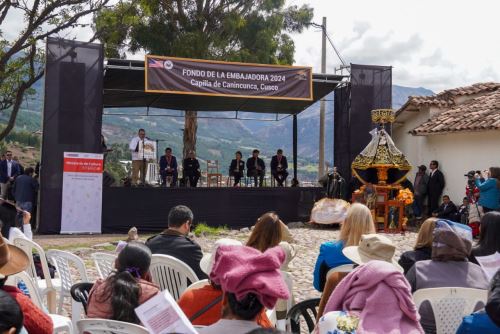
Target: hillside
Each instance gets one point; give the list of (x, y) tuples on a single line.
[(220, 138)]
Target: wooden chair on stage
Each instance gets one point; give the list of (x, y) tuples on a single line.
[(213, 173)]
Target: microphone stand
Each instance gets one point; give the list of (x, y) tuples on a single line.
[(143, 171)]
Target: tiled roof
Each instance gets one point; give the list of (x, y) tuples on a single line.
[(479, 114), (446, 98)]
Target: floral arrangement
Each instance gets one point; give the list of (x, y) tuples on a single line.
[(347, 323), (405, 195)]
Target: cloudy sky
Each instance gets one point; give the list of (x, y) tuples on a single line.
[(435, 44)]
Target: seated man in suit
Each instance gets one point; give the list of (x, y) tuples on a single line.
[(279, 165), (256, 168), (168, 168), (191, 169), (174, 241), (236, 169), (447, 210)]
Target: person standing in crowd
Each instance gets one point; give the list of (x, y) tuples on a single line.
[(447, 210), (423, 246), (168, 168), (174, 241), (139, 165), (256, 168), (24, 190), (236, 168), (9, 170), (21, 168), (489, 190), (435, 186), (279, 167), (420, 191), (191, 169)]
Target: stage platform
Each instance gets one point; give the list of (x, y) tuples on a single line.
[(147, 208)]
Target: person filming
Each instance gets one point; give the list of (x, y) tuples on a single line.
[(489, 189)]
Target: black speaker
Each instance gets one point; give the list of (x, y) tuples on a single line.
[(71, 103)]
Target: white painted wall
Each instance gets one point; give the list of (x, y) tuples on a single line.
[(457, 153)]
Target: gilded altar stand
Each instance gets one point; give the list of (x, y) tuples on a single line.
[(381, 167)]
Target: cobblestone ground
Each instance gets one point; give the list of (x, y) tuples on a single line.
[(307, 243)]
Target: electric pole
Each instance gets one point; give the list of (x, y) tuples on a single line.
[(321, 167)]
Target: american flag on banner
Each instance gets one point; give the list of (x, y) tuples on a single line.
[(152, 63)]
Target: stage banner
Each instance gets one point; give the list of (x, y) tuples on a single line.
[(82, 193), (217, 78)]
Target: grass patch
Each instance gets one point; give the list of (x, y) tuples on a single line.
[(204, 229)]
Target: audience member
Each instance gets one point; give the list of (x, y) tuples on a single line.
[(377, 293), (12, 261), (203, 306), (11, 227), (435, 186), (489, 190), (268, 232), (481, 321), (174, 241), (250, 280), (447, 210), (462, 214), (423, 246), (420, 187), (489, 238), (493, 304), (129, 286), (358, 221), (475, 213), (11, 316), (448, 266), (371, 247), (24, 190)]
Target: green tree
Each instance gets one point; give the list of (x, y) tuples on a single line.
[(22, 57), (232, 30)]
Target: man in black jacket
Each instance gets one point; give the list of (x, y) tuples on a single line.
[(256, 168), (435, 186), (174, 240), (279, 165), (447, 210)]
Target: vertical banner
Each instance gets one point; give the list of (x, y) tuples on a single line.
[(82, 193)]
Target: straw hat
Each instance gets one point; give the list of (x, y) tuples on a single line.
[(207, 261), (12, 259), (372, 247)]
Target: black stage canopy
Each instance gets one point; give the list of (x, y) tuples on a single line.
[(124, 88)]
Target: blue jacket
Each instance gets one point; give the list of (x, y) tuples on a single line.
[(25, 188), (330, 256), (478, 322), (3, 170), (489, 194)]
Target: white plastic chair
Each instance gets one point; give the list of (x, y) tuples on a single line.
[(171, 274), (198, 284), (63, 262), (106, 326), (61, 323), (104, 263), (47, 286), (450, 305), (345, 268)]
